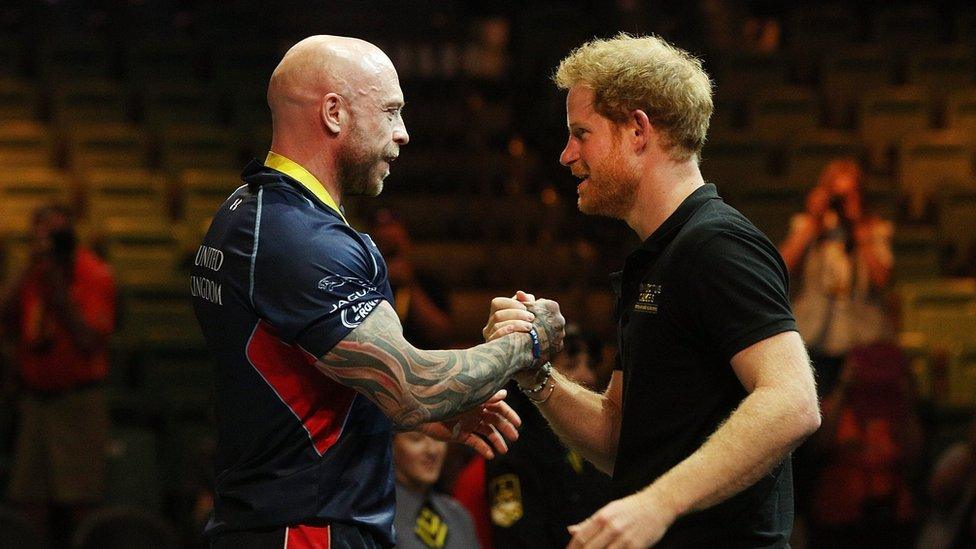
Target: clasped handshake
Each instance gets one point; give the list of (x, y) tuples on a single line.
[(489, 426)]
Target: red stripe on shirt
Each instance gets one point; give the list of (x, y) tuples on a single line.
[(320, 403)]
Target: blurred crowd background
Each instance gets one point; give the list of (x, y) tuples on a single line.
[(846, 131)]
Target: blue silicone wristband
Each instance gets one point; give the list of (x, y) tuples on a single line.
[(536, 348)]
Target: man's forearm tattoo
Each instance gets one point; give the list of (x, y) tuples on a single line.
[(414, 386)]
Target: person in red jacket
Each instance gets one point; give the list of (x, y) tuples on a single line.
[(59, 315)]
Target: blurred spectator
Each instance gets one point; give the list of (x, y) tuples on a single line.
[(952, 489), (841, 257), (539, 487), (425, 518), (421, 300), (869, 442), (60, 314)]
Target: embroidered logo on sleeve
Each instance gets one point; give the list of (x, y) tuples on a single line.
[(430, 528), (647, 298)]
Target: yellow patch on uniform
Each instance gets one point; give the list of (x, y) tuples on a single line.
[(505, 494), (575, 461), (430, 528)]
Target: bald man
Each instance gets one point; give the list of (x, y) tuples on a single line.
[(313, 372)]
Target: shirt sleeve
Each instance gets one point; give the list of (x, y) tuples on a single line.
[(314, 285), (741, 285)]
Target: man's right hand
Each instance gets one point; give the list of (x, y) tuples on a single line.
[(522, 312)]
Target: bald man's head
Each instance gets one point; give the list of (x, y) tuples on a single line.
[(321, 64), (335, 102)]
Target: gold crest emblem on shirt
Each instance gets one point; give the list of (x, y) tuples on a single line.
[(505, 493), (647, 298), (430, 528)]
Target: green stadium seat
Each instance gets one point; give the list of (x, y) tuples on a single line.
[(810, 151), (770, 209), (903, 29), (12, 55), (740, 74), (815, 30), (957, 220)]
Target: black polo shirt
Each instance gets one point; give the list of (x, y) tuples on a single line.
[(706, 285)]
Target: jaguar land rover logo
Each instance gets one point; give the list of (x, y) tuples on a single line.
[(333, 282), (355, 314)]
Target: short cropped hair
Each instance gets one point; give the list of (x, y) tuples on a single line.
[(630, 72)]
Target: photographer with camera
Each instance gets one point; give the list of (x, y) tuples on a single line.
[(840, 256), (59, 315)]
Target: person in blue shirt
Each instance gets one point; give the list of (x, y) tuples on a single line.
[(313, 372)]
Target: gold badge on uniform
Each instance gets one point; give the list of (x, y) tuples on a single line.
[(647, 298), (505, 494), (430, 528)]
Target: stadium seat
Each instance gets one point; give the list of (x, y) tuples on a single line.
[(12, 56), (739, 74), (770, 209), (26, 144), (961, 112), (903, 29), (18, 100), (133, 476), (812, 150), (957, 220), (23, 190), (888, 115), (108, 146), (847, 73), (18, 532), (90, 101), (140, 252), (916, 254), (942, 70), (815, 30), (779, 114), (202, 191), (125, 527), (736, 162), (152, 62), (180, 103), (64, 57), (198, 146), (125, 193), (939, 312), (928, 161)]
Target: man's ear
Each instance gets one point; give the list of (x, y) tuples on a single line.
[(333, 112), (642, 132)]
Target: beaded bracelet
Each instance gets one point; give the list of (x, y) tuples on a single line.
[(546, 371), (552, 387)]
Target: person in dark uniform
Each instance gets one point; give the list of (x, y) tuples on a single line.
[(713, 387), (540, 487), (313, 372)]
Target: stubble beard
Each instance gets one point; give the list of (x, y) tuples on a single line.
[(613, 192)]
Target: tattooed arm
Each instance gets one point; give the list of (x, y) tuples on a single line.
[(413, 386)]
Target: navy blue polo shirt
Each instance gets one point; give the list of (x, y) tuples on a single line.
[(280, 279)]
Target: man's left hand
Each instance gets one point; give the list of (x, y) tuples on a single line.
[(492, 422), (633, 522)]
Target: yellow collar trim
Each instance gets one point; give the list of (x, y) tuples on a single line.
[(295, 171)]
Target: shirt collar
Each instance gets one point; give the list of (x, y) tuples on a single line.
[(679, 217), (295, 171)]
